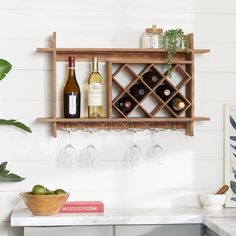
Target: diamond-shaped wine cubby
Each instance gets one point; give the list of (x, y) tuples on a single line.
[(153, 86), (139, 92)]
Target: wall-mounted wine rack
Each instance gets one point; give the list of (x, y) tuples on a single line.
[(143, 116)]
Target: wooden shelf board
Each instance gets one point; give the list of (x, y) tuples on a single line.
[(201, 51), (114, 120), (115, 50)]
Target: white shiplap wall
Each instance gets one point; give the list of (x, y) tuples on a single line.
[(192, 164)]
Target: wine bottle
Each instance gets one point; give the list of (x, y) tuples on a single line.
[(163, 91), (177, 104), (138, 91), (150, 78), (95, 91), (71, 93), (125, 105)]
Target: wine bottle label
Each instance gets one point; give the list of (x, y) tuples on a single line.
[(95, 94), (72, 104)]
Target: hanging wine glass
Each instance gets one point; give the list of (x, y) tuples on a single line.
[(89, 153), (156, 152), (134, 152), (68, 155)]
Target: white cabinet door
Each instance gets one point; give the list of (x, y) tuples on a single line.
[(159, 230), (69, 231)]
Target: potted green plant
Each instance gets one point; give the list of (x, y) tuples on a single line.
[(5, 174), (172, 40)]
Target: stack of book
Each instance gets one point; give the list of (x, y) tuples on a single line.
[(82, 206)]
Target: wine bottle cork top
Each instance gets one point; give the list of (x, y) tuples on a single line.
[(154, 29), (94, 64), (71, 61)]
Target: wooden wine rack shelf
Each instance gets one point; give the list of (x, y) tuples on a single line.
[(120, 60)]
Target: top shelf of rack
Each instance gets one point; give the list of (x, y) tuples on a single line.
[(112, 51), (123, 54), (157, 55)]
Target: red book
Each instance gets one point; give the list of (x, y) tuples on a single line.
[(82, 206)]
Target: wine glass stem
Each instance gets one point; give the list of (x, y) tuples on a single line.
[(68, 136), (155, 138), (90, 138), (133, 138)]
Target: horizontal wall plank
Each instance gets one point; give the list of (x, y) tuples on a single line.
[(42, 146), (106, 5), (197, 174), (126, 22)]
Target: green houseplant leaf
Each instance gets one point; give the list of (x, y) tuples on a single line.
[(16, 124), (5, 174), (171, 38), (5, 67)]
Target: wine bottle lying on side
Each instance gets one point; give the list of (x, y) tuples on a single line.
[(125, 105), (151, 78), (138, 91), (177, 104), (163, 91)]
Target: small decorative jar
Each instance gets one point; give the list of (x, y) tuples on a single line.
[(152, 37)]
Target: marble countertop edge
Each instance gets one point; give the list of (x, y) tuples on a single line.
[(223, 222)]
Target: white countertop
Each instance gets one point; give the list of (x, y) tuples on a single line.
[(221, 222)]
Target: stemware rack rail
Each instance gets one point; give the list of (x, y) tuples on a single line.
[(183, 64), (122, 123)]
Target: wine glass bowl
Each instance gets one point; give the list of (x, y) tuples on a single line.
[(89, 154), (68, 156), (156, 152), (134, 152)]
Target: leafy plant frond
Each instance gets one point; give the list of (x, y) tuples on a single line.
[(16, 124), (5, 174), (233, 186), (5, 67), (234, 147), (232, 122), (233, 138), (171, 38)]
